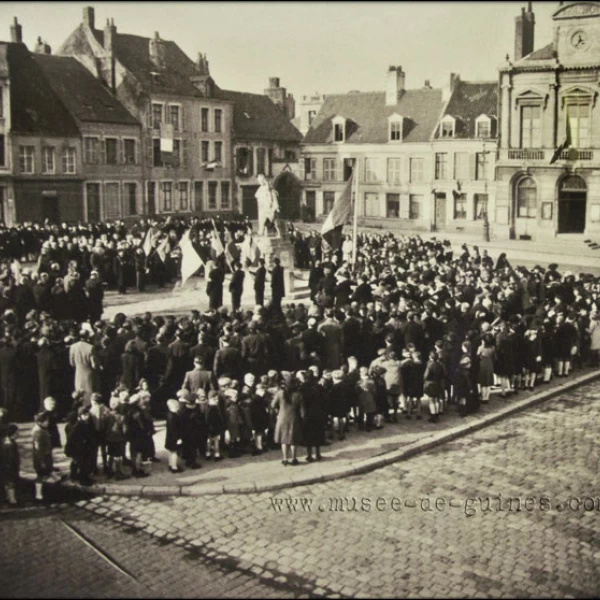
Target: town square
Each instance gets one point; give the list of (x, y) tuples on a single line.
[(300, 299)]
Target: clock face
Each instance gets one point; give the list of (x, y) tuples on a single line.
[(580, 40)]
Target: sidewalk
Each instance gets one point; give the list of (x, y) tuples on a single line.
[(360, 452)]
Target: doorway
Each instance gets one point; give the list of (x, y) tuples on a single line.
[(50, 208), (93, 202), (249, 205), (440, 211), (572, 203)]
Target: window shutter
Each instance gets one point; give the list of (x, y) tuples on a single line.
[(122, 151), (184, 153), (404, 206), (103, 152), (149, 152), (181, 118), (472, 166), (150, 124), (339, 168)]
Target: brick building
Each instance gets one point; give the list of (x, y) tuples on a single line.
[(186, 156), (546, 187)]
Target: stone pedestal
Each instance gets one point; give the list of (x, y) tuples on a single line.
[(273, 247)]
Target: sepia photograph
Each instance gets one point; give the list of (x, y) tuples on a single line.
[(300, 299)]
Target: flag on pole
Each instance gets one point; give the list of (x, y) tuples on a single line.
[(212, 165), (190, 261), (334, 223), (161, 249), (151, 236), (565, 143), (216, 244)]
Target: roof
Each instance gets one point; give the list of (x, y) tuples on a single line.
[(83, 94), (369, 114), (257, 117), (468, 101), (35, 107), (133, 52), (544, 53)]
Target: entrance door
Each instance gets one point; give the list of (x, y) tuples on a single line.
[(311, 206), (93, 202), (249, 205), (572, 201), (50, 208), (440, 211)]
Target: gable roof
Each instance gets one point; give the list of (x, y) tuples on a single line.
[(133, 52), (82, 93), (35, 108), (257, 117), (544, 53), (468, 101), (368, 115)]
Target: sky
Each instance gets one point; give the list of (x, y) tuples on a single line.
[(324, 47)]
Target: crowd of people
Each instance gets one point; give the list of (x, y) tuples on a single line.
[(411, 330)]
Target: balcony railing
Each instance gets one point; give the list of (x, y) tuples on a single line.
[(525, 155), (577, 155)]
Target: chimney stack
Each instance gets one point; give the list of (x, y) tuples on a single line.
[(42, 47), (427, 85), (524, 32), (279, 96), (395, 85), (16, 32), (202, 66), (447, 91), (89, 17), (157, 51), (110, 33)]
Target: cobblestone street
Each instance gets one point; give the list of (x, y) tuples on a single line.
[(444, 524)]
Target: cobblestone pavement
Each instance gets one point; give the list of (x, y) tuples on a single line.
[(443, 524)]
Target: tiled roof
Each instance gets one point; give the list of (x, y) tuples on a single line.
[(542, 54), (257, 117), (85, 96), (368, 115), (468, 101), (133, 52), (35, 107)]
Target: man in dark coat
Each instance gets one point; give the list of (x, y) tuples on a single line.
[(198, 378), (214, 287), (277, 285), (260, 276), (228, 361), (120, 271), (95, 295), (24, 298), (42, 293), (236, 286), (255, 350)]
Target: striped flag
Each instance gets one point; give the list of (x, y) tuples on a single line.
[(161, 249), (216, 244), (190, 261), (151, 236), (334, 223)]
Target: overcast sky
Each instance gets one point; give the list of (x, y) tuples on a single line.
[(326, 47)]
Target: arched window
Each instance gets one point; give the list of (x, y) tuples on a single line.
[(527, 199)]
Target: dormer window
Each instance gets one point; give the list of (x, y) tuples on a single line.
[(339, 130), (448, 127), (395, 128), (483, 127)]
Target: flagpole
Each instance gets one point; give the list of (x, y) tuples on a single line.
[(355, 171)]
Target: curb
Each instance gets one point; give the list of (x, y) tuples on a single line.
[(359, 467)]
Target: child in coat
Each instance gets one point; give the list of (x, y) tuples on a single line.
[(173, 434), (115, 438), (365, 388), (100, 416), (42, 453), (82, 447), (215, 426)]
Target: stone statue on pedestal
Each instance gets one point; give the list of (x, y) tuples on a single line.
[(267, 201)]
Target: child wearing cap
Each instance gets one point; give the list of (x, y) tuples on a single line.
[(10, 463), (82, 447), (259, 416), (365, 388), (42, 453), (215, 426), (115, 438), (100, 415)]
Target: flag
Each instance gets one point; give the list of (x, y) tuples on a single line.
[(151, 236), (250, 252), (216, 244), (190, 261), (161, 249), (334, 223), (212, 165), (565, 143), (166, 137)]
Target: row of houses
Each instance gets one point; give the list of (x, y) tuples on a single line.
[(118, 124)]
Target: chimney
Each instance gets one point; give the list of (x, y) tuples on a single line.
[(275, 92), (42, 47), (394, 85), (447, 91), (524, 33), (201, 78), (427, 85), (16, 32), (110, 33), (157, 51), (88, 17)]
